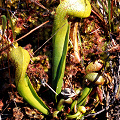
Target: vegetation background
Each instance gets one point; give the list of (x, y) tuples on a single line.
[(99, 38)]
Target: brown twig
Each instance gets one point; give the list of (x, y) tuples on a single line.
[(31, 31), (39, 4), (24, 35), (48, 39)]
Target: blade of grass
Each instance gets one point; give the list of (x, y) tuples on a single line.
[(98, 14), (104, 7), (80, 42), (109, 13), (11, 24), (4, 23)]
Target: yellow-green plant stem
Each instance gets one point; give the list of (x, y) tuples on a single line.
[(75, 8), (74, 115), (85, 93)]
